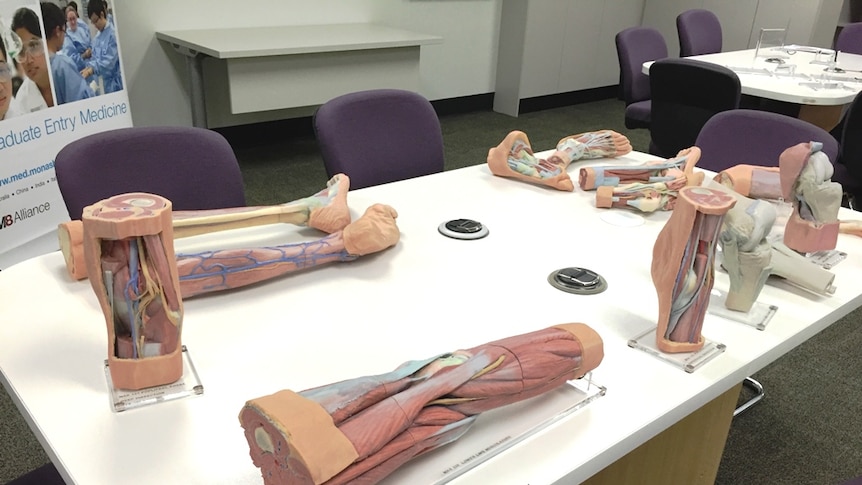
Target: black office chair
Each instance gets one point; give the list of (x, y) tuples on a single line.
[(685, 95), (848, 169), (635, 46)]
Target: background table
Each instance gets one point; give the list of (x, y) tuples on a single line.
[(821, 107), (270, 68), (429, 294)]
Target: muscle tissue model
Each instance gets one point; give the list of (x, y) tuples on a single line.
[(362, 429), (514, 157)]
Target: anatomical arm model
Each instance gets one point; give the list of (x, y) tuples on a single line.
[(806, 175), (683, 266), (326, 210), (514, 158), (361, 430), (670, 171), (752, 181), (656, 190), (128, 250)]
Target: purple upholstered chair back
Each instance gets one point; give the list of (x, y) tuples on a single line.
[(379, 136), (194, 168), (850, 39), (636, 45), (699, 32), (743, 136)]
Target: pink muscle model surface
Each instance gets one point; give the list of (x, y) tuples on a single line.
[(670, 172), (752, 181), (806, 182), (361, 430), (218, 270), (683, 266), (326, 210), (514, 158), (128, 248)]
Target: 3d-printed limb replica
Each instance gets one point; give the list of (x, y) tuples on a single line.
[(683, 266), (667, 171), (128, 247), (233, 268), (752, 181), (514, 158), (361, 430), (801, 271), (850, 227), (326, 210), (643, 197), (746, 254), (806, 175)]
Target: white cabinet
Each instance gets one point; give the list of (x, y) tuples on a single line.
[(557, 46)]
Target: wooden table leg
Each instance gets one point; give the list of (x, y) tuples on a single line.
[(826, 117), (688, 452)]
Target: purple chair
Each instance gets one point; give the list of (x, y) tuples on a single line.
[(699, 32), (194, 168), (850, 39), (379, 136), (744, 136), (44, 475), (685, 94), (635, 46)]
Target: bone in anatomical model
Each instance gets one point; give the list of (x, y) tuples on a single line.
[(514, 157), (683, 266), (670, 172), (361, 430), (326, 210)]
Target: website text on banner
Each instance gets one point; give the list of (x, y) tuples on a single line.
[(60, 80)]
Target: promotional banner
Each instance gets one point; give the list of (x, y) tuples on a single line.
[(60, 80)]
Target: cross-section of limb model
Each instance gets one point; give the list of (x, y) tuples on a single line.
[(670, 172), (326, 210), (361, 430), (128, 251), (806, 174), (514, 157), (683, 266)]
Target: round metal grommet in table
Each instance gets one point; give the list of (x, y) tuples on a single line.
[(579, 281), (463, 229)]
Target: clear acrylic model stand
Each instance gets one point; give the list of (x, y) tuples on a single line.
[(496, 431), (758, 317), (188, 385), (687, 361)]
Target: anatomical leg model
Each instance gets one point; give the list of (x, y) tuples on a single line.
[(513, 157), (670, 171), (752, 181), (683, 266), (128, 249), (640, 196), (806, 175), (326, 210), (361, 430), (233, 268)]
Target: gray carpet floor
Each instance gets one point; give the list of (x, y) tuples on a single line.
[(808, 428)]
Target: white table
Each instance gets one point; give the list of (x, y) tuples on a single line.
[(289, 66), (820, 106), (427, 295)]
